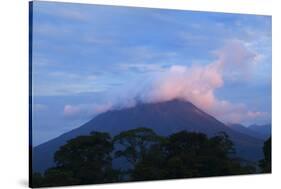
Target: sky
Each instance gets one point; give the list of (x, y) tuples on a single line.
[(88, 59)]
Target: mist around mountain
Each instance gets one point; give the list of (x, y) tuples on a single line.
[(164, 118)]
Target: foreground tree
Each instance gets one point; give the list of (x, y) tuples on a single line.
[(186, 154), (265, 164), (88, 159), (133, 144), (36, 180), (83, 160)]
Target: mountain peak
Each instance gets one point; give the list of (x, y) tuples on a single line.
[(164, 118), (173, 102)]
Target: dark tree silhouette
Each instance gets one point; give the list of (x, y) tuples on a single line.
[(187, 154), (265, 164), (59, 177), (37, 180), (134, 143), (88, 159), (83, 160)]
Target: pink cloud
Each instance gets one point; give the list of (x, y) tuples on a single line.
[(70, 110), (100, 108), (85, 110), (236, 59), (235, 52), (196, 84)]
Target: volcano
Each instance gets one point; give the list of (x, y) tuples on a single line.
[(164, 118)]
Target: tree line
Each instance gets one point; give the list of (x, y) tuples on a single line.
[(144, 155)]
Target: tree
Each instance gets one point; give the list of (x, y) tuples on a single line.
[(36, 180), (83, 160), (88, 159), (59, 177), (134, 143), (186, 154), (184, 157), (265, 164), (151, 167), (223, 145)]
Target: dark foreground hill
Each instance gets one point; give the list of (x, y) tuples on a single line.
[(164, 118)]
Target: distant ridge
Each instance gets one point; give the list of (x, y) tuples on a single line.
[(250, 131), (263, 130)]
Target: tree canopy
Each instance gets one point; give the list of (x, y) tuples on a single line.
[(265, 164), (89, 159)]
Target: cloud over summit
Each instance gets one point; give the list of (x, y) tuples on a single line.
[(196, 83)]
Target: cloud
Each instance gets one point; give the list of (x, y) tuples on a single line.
[(65, 11), (85, 110), (237, 60), (66, 82), (70, 110), (196, 83), (235, 53), (228, 112), (93, 39), (144, 54), (70, 76), (73, 14), (193, 38), (55, 31), (39, 107), (142, 67)]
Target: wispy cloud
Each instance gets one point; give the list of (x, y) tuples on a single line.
[(85, 110), (62, 10), (52, 30), (142, 67), (66, 83), (39, 107), (142, 54), (152, 55)]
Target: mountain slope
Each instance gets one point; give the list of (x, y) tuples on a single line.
[(164, 118), (263, 130), (242, 129)]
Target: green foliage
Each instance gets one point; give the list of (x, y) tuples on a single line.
[(135, 143), (88, 159), (37, 180), (59, 177), (83, 160), (186, 154), (265, 164)]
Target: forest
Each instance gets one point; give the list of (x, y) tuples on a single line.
[(140, 155)]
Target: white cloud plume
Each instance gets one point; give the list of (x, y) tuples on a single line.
[(196, 84)]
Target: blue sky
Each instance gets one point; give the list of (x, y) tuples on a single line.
[(91, 58)]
